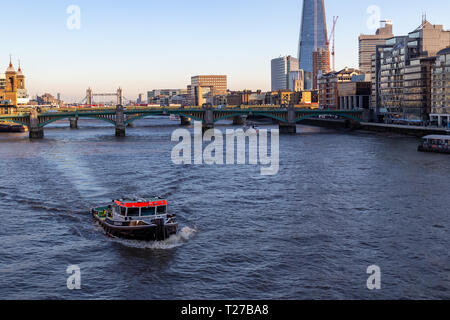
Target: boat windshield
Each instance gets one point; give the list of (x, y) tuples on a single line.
[(133, 212), (161, 209), (146, 212)]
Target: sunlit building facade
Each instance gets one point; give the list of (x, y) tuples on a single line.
[(12, 86), (204, 88)]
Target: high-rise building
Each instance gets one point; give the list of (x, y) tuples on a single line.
[(313, 32), (402, 67), (204, 88), (368, 45), (440, 89), (281, 68), (321, 64)]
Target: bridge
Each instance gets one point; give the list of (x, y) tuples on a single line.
[(120, 117)]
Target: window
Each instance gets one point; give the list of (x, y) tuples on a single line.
[(133, 212), (161, 210), (123, 211), (146, 212)]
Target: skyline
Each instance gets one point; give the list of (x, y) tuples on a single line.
[(70, 61)]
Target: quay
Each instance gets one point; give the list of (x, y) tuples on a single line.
[(417, 131)]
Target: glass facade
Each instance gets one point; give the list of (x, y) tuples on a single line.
[(440, 94), (281, 68), (313, 33)]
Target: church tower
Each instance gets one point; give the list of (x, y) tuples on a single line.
[(11, 84), (20, 78)]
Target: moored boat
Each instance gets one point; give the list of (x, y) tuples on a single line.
[(137, 219), (435, 143), (11, 127)]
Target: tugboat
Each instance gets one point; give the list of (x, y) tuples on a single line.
[(137, 219)]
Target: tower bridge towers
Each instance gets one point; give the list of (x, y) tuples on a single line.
[(90, 96), (120, 96)]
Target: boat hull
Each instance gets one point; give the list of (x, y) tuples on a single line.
[(159, 232), (434, 150), (11, 128)]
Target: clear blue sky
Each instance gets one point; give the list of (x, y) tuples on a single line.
[(142, 45)]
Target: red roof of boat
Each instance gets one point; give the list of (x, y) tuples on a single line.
[(141, 204)]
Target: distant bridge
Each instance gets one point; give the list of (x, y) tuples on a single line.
[(120, 117)]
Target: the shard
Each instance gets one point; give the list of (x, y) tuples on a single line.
[(313, 32)]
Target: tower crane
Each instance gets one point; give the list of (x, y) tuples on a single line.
[(333, 37)]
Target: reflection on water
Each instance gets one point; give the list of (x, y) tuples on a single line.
[(342, 201)]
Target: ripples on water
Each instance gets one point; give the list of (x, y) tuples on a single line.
[(341, 202)]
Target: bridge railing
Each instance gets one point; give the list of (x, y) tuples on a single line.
[(269, 108)]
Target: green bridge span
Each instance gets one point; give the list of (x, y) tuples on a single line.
[(287, 118)]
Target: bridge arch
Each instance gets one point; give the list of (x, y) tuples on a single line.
[(43, 124), (143, 116)]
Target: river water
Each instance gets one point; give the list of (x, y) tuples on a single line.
[(340, 203)]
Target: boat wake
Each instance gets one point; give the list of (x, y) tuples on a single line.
[(182, 237)]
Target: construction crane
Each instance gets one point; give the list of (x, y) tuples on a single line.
[(333, 37)]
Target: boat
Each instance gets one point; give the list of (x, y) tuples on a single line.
[(11, 127), (137, 219), (174, 117), (435, 143)]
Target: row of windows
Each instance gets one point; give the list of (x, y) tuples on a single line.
[(142, 212)]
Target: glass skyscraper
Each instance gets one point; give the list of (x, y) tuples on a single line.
[(313, 33)]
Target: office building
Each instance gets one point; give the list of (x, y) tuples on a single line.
[(281, 69), (205, 87), (321, 64), (369, 43), (440, 89), (329, 86), (356, 93), (402, 70)]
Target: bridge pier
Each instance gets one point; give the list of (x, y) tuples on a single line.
[(289, 127), (208, 122), (238, 121), (73, 123), (35, 132), (120, 121), (185, 121)]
